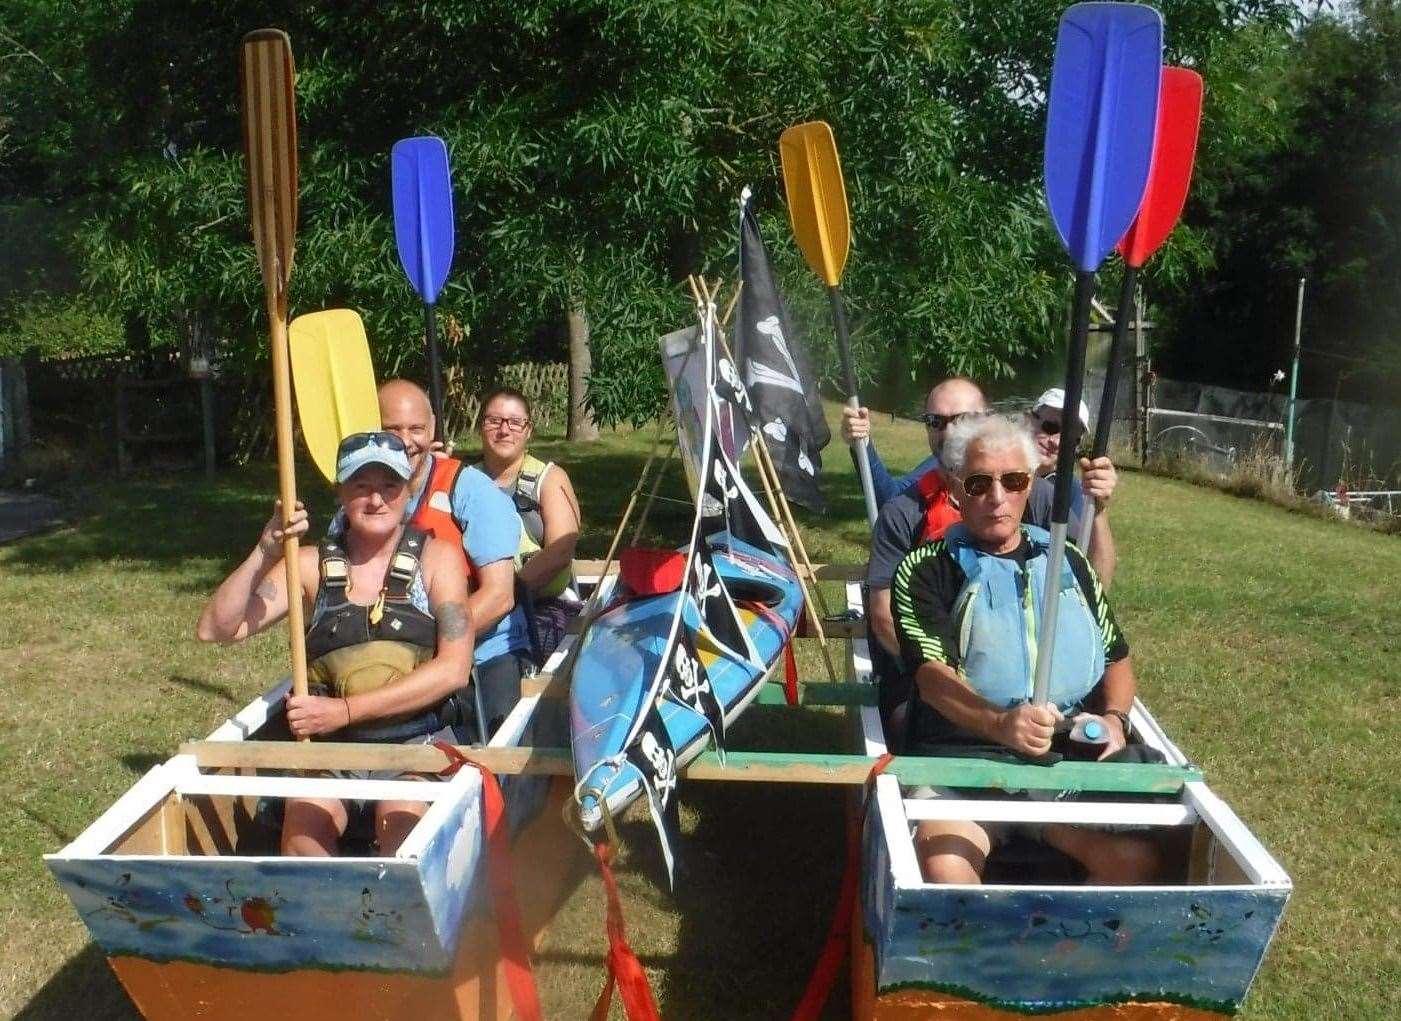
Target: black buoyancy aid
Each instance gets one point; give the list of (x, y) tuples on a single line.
[(353, 648)]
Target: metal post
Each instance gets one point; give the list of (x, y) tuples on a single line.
[(1140, 379), (1294, 380)]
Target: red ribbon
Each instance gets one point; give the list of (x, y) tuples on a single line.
[(790, 674), (510, 932), (624, 969), (829, 962)]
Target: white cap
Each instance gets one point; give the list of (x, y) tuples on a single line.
[(1055, 398)]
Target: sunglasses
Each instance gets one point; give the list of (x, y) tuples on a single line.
[(360, 441), (515, 425), (936, 421), (1049, 426), (981, 484)]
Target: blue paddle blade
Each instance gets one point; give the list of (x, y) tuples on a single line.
[(1100, 121), (423, 212)]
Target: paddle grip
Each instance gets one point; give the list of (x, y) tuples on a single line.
[(1123, 316), (853, 400), (435, 369)]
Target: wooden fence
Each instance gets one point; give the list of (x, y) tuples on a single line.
[(545, 385)]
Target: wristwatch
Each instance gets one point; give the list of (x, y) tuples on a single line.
[(1123, 719)]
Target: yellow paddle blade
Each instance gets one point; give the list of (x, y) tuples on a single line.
[(812, 177), (334, 380)]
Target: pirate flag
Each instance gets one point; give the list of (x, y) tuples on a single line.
[(727, 503), (687, 683), (717, 610), (777, 372), (654, 758)]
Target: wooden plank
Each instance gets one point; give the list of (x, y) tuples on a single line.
[(820, 572), (545, 684), (173, 826), (311, 787), (820, 693), (762, 767)]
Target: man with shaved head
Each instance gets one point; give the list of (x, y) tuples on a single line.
[(454, 501), (920, 510)]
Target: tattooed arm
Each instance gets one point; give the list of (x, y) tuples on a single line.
[(254, 596), (428, 684)]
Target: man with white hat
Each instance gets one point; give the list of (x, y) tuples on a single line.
[(1098, 478)]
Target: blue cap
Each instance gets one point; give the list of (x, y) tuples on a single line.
[(360, 449)]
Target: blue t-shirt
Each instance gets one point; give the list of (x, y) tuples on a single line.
[(492, 532)]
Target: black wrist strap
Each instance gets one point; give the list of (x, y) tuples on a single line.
[(1123, 718)]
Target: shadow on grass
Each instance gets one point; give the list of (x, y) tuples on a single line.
[(141, 763), (206, 688), (85, 987)]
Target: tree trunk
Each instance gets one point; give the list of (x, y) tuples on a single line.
[(581, 423)]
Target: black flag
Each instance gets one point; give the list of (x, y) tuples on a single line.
[(725, 504), (688, 684), (777, 372), (655, 760), (717, 610)]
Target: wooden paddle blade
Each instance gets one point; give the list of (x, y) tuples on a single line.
[(812, 177), (270, 144), (334, 381), (423, 228), (1100, 121), (1174, 154)]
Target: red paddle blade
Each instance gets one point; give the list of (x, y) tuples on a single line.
[(1174, 152)]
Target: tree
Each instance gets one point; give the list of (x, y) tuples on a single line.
[(598, 147)]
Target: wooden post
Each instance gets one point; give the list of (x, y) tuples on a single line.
[(123, 455), (206, 406)]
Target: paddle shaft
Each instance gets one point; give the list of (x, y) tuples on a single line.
[(1123, 316), (853, 400), (1065, 479), (435, 369)]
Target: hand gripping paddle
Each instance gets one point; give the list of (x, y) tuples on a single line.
[(270, 144), (1100, 121), (1174, 153), (423, 230), (812, 178), (334, 380)]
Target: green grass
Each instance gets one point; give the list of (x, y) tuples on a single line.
[(1265, 641)]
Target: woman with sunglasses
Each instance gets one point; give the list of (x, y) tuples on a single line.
[(549, 513), (389, 636), (967, 607)]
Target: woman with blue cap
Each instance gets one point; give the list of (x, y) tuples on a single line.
[(389, 636)]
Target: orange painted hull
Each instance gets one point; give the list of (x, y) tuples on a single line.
[(548, 861)]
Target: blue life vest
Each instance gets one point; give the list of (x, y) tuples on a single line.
[(996, 617)]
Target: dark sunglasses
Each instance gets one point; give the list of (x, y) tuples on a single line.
[(935, 421), (981, 484), (1049, 426), (378, 438)]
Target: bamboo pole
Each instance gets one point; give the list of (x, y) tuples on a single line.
[(652, 495)]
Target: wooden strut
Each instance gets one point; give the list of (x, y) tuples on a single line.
[(760, 455), (652, 494), (755, 767)]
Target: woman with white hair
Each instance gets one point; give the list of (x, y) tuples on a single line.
[(967, 608)]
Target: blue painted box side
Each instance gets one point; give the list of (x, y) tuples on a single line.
[(1059, 948), (271, 915), (450, 865), (877, 883)]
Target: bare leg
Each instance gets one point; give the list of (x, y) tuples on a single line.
[(312, 828), (951, 851), (1111, 859), (394, 820)]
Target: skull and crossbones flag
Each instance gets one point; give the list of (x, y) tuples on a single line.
[(687, 683), (726, 503), (654, 757), (777, 372), (717, 610)]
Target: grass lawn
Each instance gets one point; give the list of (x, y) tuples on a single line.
[(1265, 642)]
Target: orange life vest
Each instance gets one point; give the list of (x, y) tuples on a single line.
[(940, 512), (434, 514)]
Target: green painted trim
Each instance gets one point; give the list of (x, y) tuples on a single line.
[(816, 693), (1103, 777)]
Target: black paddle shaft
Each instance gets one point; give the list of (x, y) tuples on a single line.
[(834, 295), (1122, 317), (1074, 386), (435, 370)]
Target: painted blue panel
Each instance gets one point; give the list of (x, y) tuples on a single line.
[(450, 863), (1055, 949), (273, 914)]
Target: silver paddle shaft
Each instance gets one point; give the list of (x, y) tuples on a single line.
[(1050, 612)]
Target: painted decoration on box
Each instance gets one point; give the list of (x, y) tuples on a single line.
[(1046, 949), (282, 914)]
